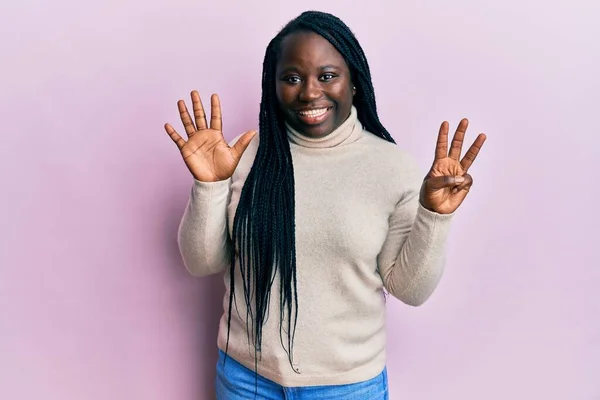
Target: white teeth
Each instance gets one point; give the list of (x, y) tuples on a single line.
[(313, 113)]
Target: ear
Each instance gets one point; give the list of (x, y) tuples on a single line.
[(353, 90)]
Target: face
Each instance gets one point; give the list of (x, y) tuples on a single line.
[(314, 89)]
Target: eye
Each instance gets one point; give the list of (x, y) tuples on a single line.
[(291, 79), (327, 77)]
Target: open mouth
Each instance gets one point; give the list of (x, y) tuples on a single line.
[(314, 116)]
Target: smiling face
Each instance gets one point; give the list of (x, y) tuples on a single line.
[(313, 84)]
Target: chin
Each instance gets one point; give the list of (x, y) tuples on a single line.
[(315, 132)]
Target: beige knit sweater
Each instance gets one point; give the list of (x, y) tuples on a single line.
[(359, 229)]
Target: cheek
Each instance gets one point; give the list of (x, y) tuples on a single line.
[(284, 93), (278, 93), (345, 94)]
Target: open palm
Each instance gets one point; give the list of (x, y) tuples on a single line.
[(447, 183), (206, 153)]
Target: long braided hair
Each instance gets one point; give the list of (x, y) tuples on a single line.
[(264, 225)]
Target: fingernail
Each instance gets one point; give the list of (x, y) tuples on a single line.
[(459, 179)]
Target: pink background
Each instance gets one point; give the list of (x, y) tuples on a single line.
[(94, 301)]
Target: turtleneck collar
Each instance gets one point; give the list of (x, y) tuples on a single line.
[(348, 132)]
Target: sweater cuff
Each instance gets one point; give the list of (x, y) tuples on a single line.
[(211, 191), (432, 214), (437, 225)]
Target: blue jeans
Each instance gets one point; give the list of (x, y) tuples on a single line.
[(236, 382)]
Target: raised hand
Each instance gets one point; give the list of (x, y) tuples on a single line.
[(206, 153), (448, 183)]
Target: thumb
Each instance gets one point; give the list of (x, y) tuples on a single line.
[(242, 144), (441, 182)]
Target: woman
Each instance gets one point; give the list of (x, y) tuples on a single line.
[(312, 220)]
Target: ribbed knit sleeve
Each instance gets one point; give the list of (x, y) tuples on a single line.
[(411, 262), (203, 236)]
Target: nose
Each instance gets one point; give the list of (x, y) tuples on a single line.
[(311, 91)]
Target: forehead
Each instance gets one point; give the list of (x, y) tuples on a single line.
[(308, 49)]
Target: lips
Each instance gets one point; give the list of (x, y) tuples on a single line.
[(313, 115)]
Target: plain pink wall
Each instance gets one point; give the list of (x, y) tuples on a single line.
[(95, 303)]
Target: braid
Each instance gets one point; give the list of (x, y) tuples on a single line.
[(264, 224)]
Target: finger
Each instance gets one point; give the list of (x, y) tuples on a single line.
[(457, 140), (190, 129), (175, 136), (199, 114), (472, 152), (447, 181), (466, 185), (216, 121), (242, 144), (441, 148)]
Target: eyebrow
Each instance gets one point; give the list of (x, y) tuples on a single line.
[(330, 66), (292, 68)]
